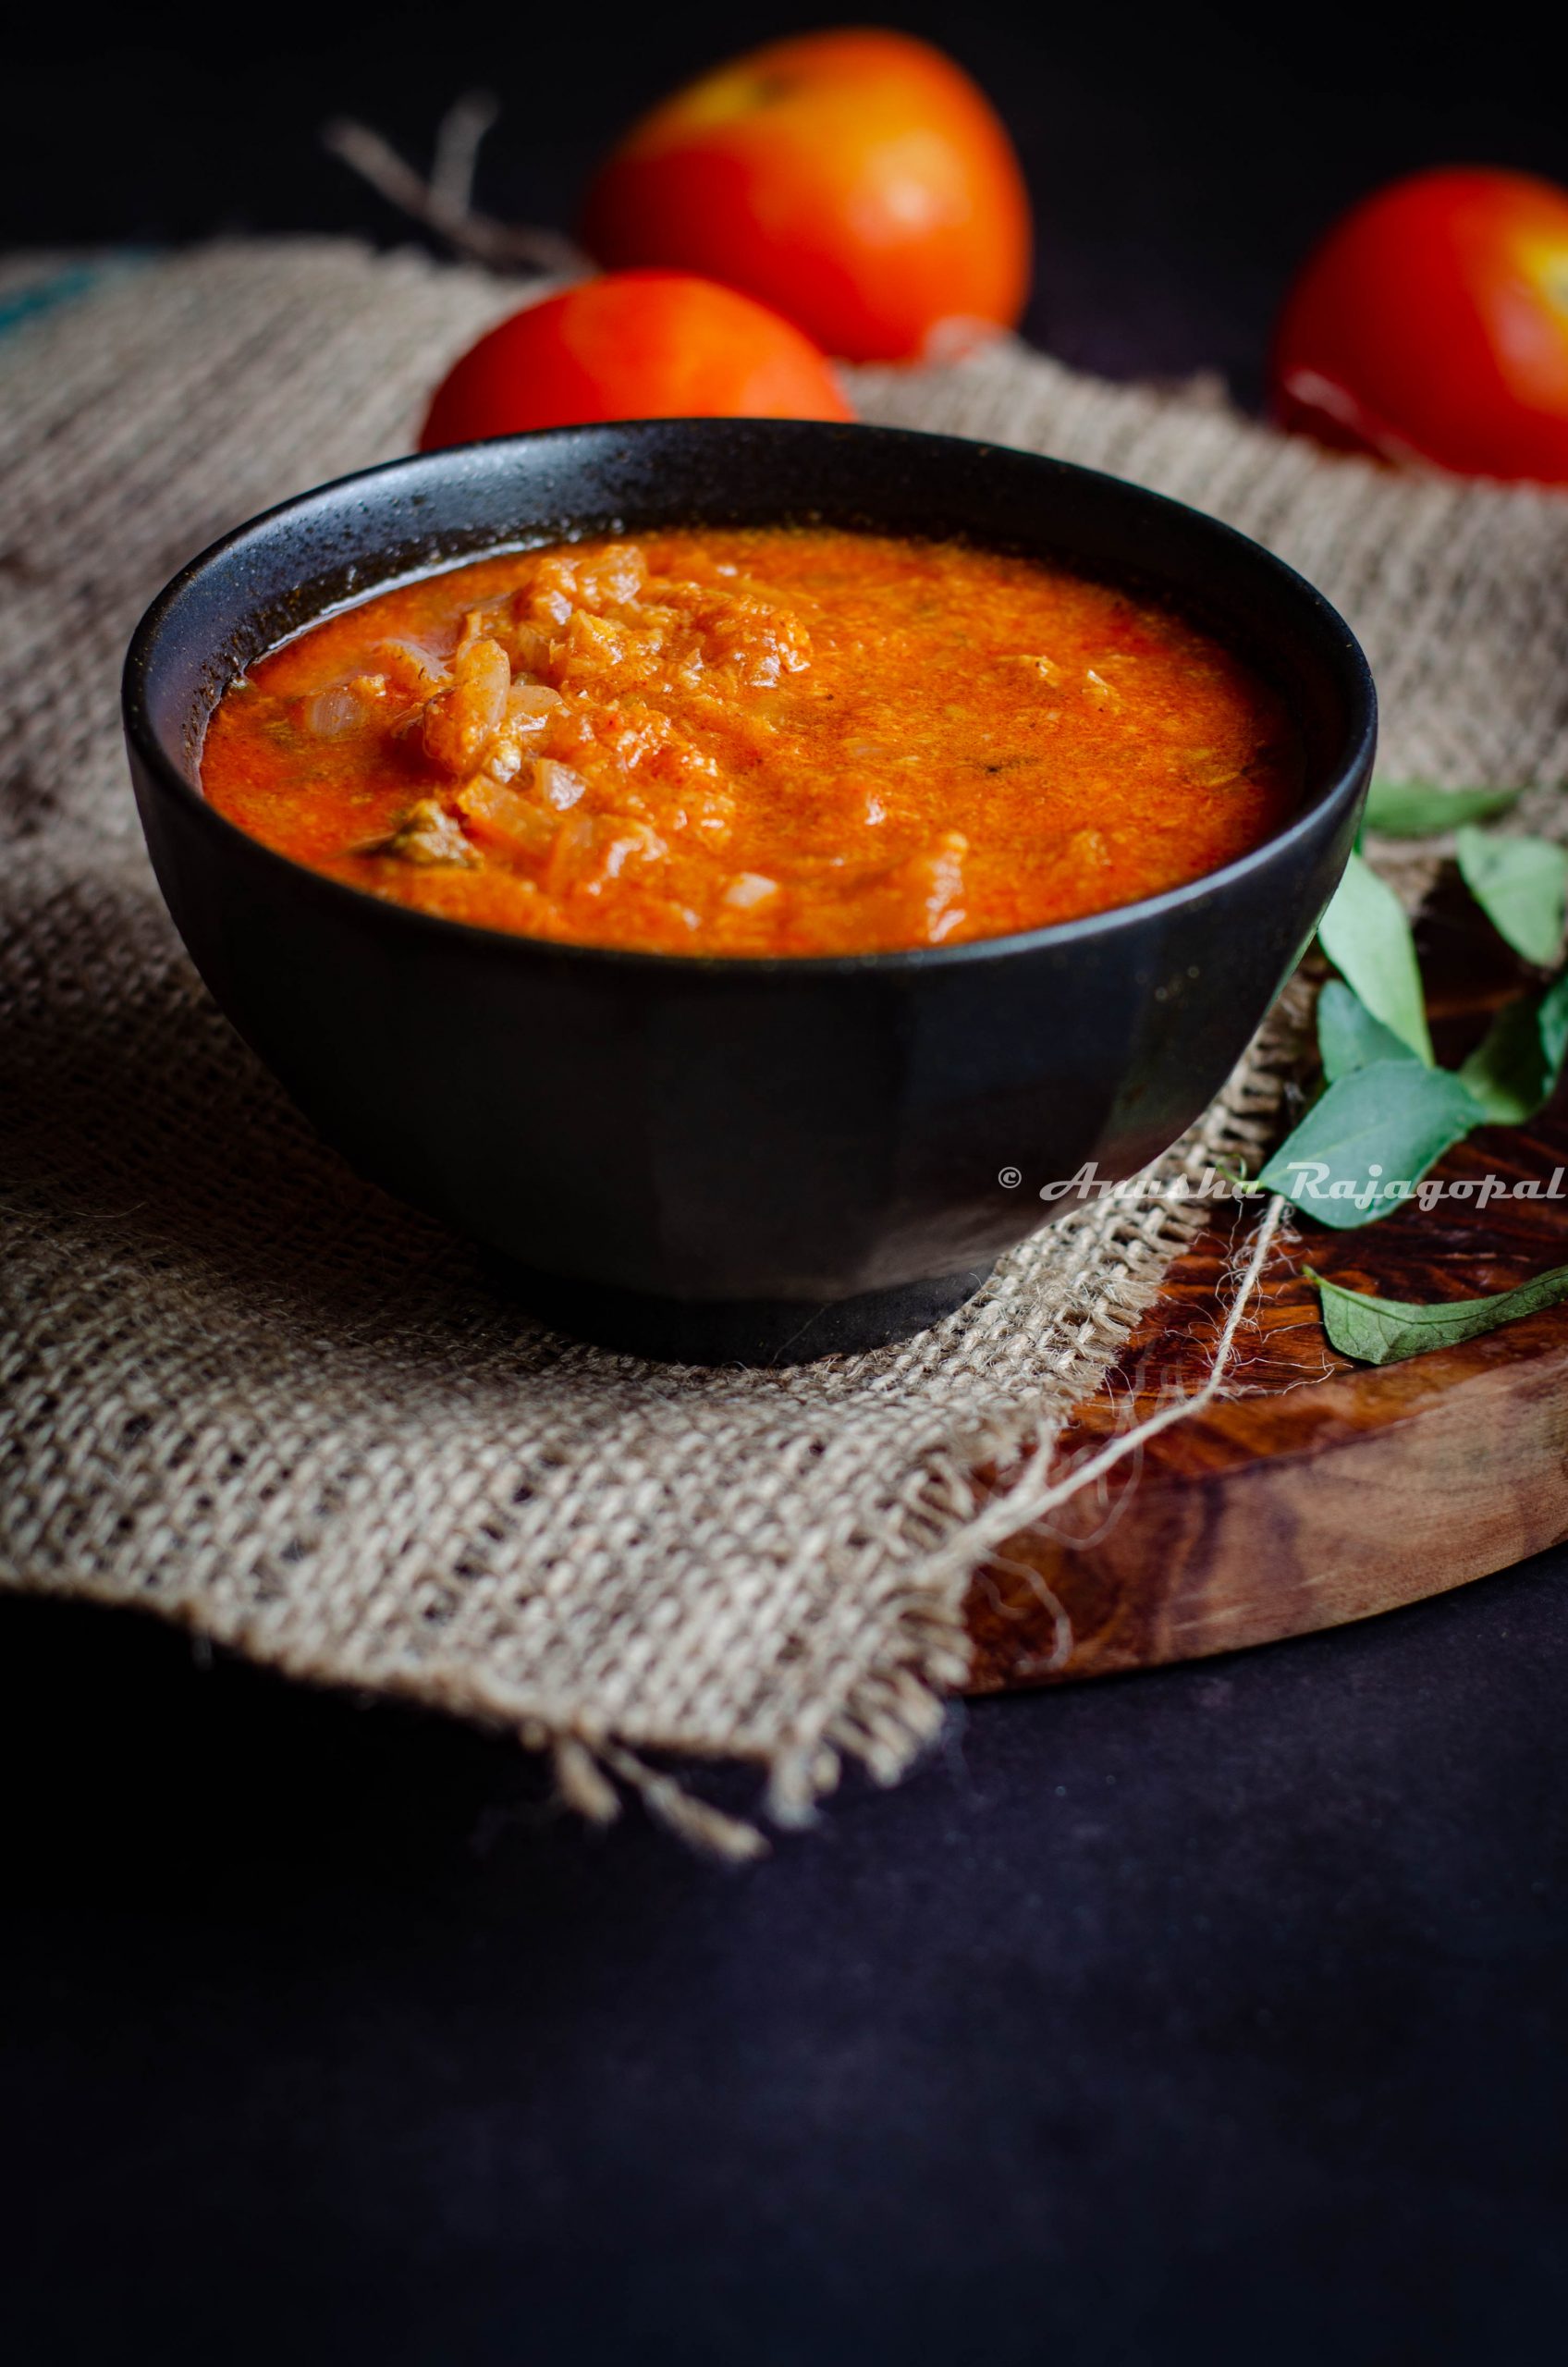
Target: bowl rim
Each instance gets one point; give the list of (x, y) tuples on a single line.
[(1352, 762)]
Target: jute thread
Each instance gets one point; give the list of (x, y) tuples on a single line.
[(244, 1390)]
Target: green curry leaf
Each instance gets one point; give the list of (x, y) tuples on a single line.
[(1385, 1330), (1520, 884), (1349, 1036), (1366, 1142), (1414, 809), (1515, 1070), (1367, 936)]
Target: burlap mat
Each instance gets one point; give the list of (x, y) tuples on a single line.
[(245, 1390)]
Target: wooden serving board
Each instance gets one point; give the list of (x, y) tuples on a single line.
[(1312, 1491)]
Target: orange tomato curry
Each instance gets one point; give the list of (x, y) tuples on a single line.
[(756, 740)]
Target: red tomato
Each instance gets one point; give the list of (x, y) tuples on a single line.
[(633, 344), (859, 182), (1433, 321)]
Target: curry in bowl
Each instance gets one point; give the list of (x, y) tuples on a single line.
[(756, 740), (867, 701)]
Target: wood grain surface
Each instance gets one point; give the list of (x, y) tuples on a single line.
[(1312, 1491)]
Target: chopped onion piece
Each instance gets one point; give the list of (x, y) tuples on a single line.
[(333, 714), (749, 888), (557, 784)]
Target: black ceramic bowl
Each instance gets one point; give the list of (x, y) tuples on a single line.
[(715, 1159)]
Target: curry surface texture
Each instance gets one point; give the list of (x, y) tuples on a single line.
[(760, 741)]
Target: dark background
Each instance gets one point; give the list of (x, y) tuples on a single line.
[(1183, 153), (1216, 2015)]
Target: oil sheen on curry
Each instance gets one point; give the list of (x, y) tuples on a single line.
[(755, 742)]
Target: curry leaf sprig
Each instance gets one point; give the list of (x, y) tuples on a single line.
[(1388, 1112), (1519, 884), (1385, 1330), (1412, 809), (1368, 940)]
